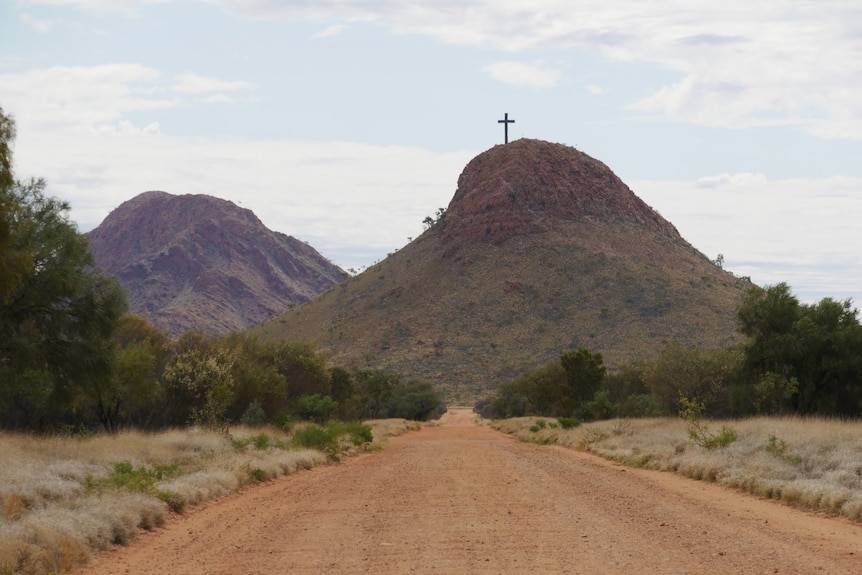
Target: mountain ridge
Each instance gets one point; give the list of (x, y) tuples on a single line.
[(196, 262)]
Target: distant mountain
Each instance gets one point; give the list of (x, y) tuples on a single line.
[(195, 262), (542, 249)]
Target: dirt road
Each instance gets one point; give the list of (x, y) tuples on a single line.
[(460, 498)]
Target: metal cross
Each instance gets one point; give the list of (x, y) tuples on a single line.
[(506, 121)]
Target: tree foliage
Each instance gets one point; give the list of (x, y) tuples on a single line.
[(201, 381), (695, 374), (563, 388), (801, 358), (57, 311)]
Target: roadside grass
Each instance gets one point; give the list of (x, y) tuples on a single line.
[(813, 464), (64, 498), (384, 428)]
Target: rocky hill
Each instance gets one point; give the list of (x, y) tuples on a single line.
[(195, 262), (542, 249)]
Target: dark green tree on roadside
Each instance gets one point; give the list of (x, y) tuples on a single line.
[(800, 358), (585, 372), (130, 395), (565, 388), (57, 311)]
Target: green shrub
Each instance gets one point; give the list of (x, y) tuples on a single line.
[(315, 407), (283, 421), (778, 447), (261, 441), (326, 439), (313, 436), (359, 434), (125, 477), (568, 422), (253, 415), (699, 432), (257, 474)]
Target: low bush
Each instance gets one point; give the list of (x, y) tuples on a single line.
[(312, 436), (777, 447), (699, 432), (126, 477), (327, 439), (568, 422), (253, 415)]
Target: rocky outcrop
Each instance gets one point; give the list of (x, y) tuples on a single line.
[(195, 262), (531, 186)]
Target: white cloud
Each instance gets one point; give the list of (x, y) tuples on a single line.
[(353, 202), (218, 99), (81, 97), (98, 97), (595, 90), (126, 128), (795, 230), (520, 74), (330, 31), (39, 25), (739, 63), (191, 83), (740, 179), (127, 7)]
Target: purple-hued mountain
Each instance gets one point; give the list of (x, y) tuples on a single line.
[(195, 262)]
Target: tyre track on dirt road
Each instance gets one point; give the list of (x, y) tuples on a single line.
[(461, 498)]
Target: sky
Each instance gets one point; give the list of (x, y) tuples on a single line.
[(345, 123)]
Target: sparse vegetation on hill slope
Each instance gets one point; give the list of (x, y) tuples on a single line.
[(571, 258)]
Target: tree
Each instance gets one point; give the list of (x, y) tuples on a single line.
[(304, 368), (13, 261), (546, 391), (133, 389), (585, 373), (344, 392), (200, 378), (57, 311), (317, 408), (376, 387), (257, 377), (689, 372), (415, 400), (805, 358), (767, 316)]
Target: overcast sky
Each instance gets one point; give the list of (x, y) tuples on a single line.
[(345, 123)]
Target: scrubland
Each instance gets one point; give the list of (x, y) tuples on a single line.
[(64, 498), (814, 464)]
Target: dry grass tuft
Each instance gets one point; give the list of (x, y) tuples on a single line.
[(383, 428), (61, 501), (809, 463)]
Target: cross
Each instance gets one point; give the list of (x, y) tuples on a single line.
[(506, 121)]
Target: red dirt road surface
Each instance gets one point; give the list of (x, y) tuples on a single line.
[(462, 498)]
